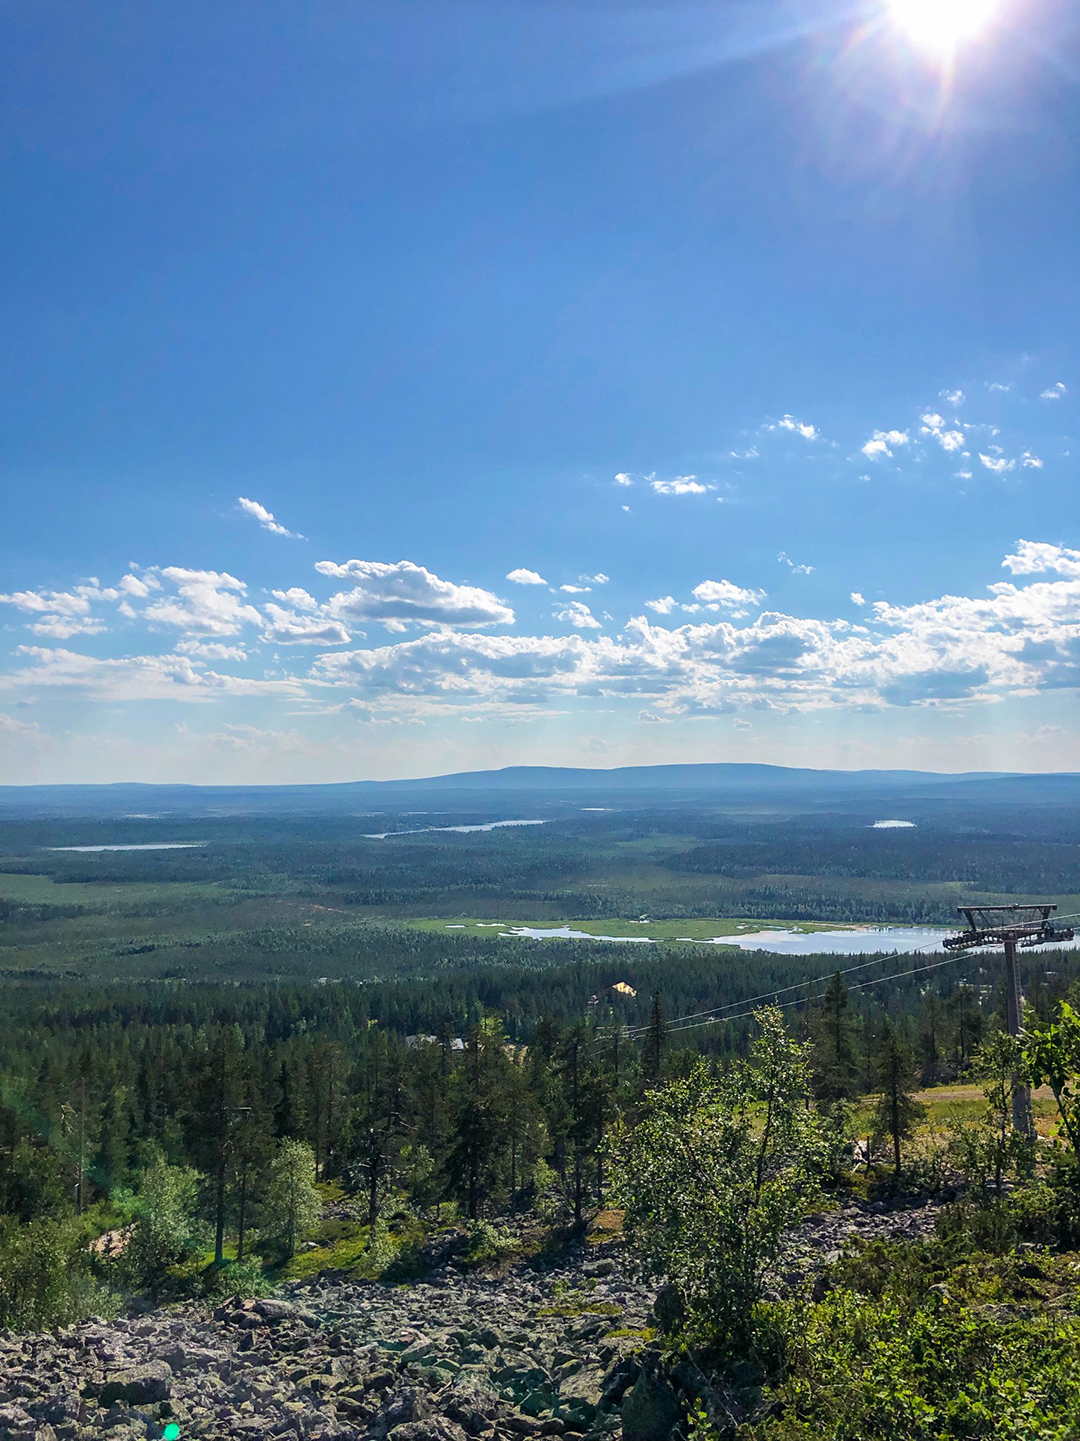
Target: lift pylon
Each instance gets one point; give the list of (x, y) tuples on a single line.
[(1010, 927)]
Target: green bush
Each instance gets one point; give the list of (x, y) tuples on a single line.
[(875, 1369), (714, 1172), (45, 1276)]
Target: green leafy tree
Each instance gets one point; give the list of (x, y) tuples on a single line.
[(1051, 1053), (166, 1231), (291, 1203), (715, 1170), (44, 1275), (990, 1149)]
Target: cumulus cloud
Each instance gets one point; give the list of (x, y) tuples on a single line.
[(290, 627), (578, 615), (725, 593), (265, 517), (521, 576), (934, 425), (623, 478), (598, 579), (1018, 637), (883, 441), (206, 602), (997, 387), (1053, 392), (997, 463), (679, 485), (1029, 461), (296, 597), (61, 614), (1032, 557), (952, 397), (799, 427), (403, 593)]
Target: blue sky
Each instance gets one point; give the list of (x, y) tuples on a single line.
[(401, 388)]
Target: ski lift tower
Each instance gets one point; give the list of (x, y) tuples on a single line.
[(1011, 926)]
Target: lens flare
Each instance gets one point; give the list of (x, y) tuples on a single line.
[(942, 25)]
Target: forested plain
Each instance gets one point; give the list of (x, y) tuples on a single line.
[(191, 1039)]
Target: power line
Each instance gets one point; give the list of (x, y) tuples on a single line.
[(786, 1005), (633, 1031)]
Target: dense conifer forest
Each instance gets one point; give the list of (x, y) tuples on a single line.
[(203, 1049)]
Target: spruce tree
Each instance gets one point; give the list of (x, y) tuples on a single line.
[(897, 1112), (836, 1067)]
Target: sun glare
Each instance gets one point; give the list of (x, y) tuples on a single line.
[(942, 25)]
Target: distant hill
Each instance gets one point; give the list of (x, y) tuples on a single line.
[(518, 786)]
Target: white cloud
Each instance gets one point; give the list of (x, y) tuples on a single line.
[(401, 593), (1032, 557), (623, 478), (934, 425), (1053, 392), (577, 614), (679, 485), (998, 464), (997, 387), (265, 517), (9, 725), (173, 677), (882, 441), (575, 589), (521, 576), (952, 397), (139, 586), (207, 602), (725, 593), (61, 614), (289, 627), (211, 650), (784, 559), (296, 597), (803, 428), (1029, 461), (598, 579), (1015, 638)]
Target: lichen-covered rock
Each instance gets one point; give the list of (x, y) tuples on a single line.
[(138, 1385), (651, 1409)]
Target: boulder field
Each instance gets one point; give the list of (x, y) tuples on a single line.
[(553, 1347)]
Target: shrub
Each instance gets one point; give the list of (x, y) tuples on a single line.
[(165, 1231), (45, 1276), (714, 1172)]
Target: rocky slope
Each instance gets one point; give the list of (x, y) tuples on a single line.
[(546, 1350)]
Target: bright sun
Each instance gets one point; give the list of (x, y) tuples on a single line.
[(942, 24)]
